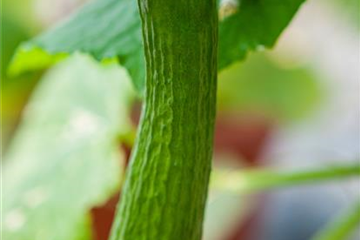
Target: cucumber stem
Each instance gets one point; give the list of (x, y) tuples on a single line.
[(166, 185)]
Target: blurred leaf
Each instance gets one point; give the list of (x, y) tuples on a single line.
[(65, 156), (260, 180), (111, 28), (21, 13), (15, 34), (343, 227), (261, 86), (14, 96), (14, 92), (349, 10), (34, 58)]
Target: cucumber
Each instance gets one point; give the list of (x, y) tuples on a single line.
[(166, 184)]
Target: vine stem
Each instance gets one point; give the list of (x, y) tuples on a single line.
[(342, 227), (166, 184), (248, 181)]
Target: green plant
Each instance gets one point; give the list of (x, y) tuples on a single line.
[(172, 156), (166, 187)]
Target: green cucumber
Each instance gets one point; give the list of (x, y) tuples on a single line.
[(166, 185)]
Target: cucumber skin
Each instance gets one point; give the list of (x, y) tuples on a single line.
[(166, 185)]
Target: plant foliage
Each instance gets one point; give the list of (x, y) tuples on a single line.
[(109, 29), (64, 159)]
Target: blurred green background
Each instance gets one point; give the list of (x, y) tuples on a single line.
[(296, 106)]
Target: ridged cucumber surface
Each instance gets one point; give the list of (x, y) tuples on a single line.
[(166, 185)]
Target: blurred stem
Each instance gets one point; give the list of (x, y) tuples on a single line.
[(259, 180), (342, 227)]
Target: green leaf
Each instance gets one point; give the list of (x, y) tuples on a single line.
[(255, 25), (15, 34), (111, 28), (65, 157), (105, 29), (33, 57)]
